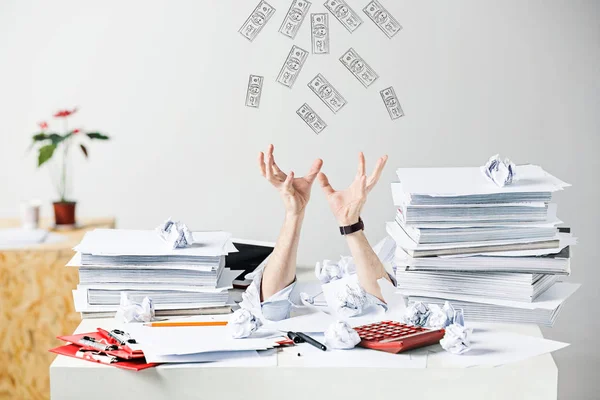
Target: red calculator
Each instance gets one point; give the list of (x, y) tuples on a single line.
[(395, 337)]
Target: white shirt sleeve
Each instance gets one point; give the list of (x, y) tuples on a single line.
[(274, 308)]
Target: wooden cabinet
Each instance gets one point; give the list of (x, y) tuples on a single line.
[(36, 305)]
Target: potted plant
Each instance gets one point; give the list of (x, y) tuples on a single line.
[(50, 143)]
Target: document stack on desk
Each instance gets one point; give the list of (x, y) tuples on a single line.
[(493, 251), (182, 281)]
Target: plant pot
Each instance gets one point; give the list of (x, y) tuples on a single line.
[(64, 213)]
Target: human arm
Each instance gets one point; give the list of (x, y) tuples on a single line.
[(280, 270), (346, 206)]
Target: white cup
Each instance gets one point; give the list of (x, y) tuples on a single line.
[(30, 214)]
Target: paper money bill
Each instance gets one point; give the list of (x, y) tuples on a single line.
[(319, 30), (311, 118), (294, 18), (359, 68), (346, 15), (292, 66), (382, 18), (391, 103), (255, 84), (255, 22), (327, 93)]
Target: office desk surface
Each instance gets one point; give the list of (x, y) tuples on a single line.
[(535, 378)]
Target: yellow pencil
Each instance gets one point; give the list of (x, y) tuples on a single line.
[(183, 323)]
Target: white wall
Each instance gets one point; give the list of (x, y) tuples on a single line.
[(167, 80)]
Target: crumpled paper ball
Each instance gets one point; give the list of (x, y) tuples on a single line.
[(340, 335), (501, 172), (416, 314), (351, 300), (130, 311), (176, 234), (243, 323), (327, 271), (456, 340), (440, 317)]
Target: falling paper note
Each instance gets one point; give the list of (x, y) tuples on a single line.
[(293, 19), (255, 22), (344, 13)]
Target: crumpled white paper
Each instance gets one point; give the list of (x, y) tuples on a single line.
[(416, 314), (340, 335), (501, 172), (130, 311), (440, 317), (243, 323), (457, 339), (175, 233), (328, 270), (351, 300)]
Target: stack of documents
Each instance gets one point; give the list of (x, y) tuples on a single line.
[(491, 250), (181, 281)]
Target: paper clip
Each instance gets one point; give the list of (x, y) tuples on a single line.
[(121, 337), (91, 342), (94, 356)]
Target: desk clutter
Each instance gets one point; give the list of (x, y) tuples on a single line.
[(469, 247), (487, 242), (120, 268)]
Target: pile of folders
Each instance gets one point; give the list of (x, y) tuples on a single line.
[(188, 281), (496, 252)]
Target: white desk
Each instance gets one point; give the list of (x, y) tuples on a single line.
[(535, 378)]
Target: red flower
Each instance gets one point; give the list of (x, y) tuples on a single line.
[(76, 131), (43, 125), (65, 113)]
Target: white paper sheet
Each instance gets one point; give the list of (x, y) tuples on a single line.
[(492, 348), (404, 241), (549, 300), (250, 358), (81, 304), (115, 242), (469, 181), (357, 357), (75, 262), (193, 340), (551, 220), (224, 283), (18, 238)]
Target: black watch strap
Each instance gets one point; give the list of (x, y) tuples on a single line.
[(359, 226)]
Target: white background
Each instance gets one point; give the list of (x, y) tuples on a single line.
[(167, 81)]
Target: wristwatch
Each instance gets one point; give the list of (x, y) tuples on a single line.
[(359, 226)]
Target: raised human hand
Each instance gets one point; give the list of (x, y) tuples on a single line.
[(295, 192), (347, 204)]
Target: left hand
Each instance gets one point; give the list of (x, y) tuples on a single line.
[(347, 204)]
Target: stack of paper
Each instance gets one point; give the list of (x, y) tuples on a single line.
[(462, 238), (542, 311), (179, 281)]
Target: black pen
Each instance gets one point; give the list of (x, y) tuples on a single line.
[(311, 341), (294, 337)]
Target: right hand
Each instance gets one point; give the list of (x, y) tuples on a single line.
[(295, 192), (347, 204)]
